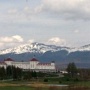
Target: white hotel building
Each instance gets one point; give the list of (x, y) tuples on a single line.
[(32, 64)]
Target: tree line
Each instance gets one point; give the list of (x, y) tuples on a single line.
[(15, 73), (77, 73)]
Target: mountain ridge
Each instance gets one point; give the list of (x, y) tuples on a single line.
[(33, 47), (47, 53), (42, 48)]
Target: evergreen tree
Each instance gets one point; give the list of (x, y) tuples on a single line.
[(9, 72), (72, 69), (34, 74), (2, 73)]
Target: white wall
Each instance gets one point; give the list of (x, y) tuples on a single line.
[(30, 65)]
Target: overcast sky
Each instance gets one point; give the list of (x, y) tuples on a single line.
[(58, 22)]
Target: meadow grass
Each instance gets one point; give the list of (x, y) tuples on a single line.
[(22, 85), (16, 88)]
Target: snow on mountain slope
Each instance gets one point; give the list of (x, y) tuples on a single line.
[(85, 48), (82, 48), (41, 48), (34, 48)]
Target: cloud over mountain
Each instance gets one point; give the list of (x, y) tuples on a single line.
[(70, 9), (11, 41), (57, 41), (44, 21), (8, 41)]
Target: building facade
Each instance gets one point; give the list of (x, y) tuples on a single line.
[(32, 64)]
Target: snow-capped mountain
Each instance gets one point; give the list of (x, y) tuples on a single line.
[(41, 48), (33, 48), (43, 52), (85, 48), (82, 48)]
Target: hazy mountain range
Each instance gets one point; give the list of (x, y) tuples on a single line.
[(47, 53)]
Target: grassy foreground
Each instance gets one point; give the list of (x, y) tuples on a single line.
[(16, 88), (40, 88), (85, 85), (30, 88), (15, 85)]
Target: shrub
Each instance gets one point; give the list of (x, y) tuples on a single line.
[(60, 82), (45, 80)]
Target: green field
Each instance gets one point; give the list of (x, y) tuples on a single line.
[(39, 88), (83, 84), (16, 88), (29, 88), (42, 84)]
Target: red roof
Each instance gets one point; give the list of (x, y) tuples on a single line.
[(8, 59), (33, 59)]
